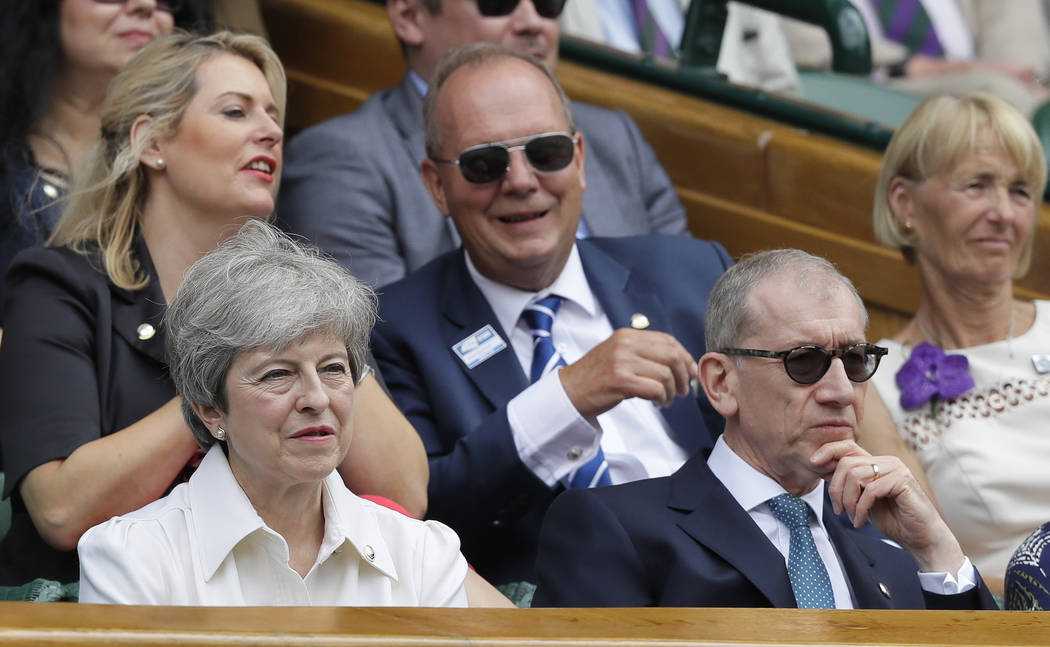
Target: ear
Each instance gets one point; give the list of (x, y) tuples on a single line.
[(408, 18), (899, 195), (718, 375), (152, 152), (580, 157), (435, 185), (210, 416)]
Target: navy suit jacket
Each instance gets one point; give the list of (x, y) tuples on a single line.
[(684, 541), (352, 187), (478, 484)]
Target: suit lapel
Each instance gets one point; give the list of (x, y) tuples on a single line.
[(860, 568), (405, 107), (728, 530), (622, 297), (137, 314), (602, 208), (466, 311)]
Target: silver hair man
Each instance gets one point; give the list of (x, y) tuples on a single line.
[(728, 319)]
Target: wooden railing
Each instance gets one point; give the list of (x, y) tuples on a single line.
[(749, 182), (30, 624)]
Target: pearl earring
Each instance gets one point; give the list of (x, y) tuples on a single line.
[(220, 434), (160, 162)]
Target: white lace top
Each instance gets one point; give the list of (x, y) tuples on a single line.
[(986, 452)]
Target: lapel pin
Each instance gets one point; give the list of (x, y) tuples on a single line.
[(885, 590), (639, 321), (146, 331)]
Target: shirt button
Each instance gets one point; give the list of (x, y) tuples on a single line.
[(146, 331), (370, 553), (574, 453)]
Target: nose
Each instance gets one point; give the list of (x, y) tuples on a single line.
[(521, 178), (835, 388), (525, 18), (146, 7), (270, 131), (313, 397)]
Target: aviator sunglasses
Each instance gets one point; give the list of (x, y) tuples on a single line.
[(484, 163), (545, 8), (169, 6), (807, 364)]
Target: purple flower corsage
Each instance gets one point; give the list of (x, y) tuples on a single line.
[(930, 373)]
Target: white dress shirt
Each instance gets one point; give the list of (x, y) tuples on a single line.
[(551, 437), (753, 489), (205, 545)]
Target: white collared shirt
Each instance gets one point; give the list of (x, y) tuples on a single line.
[(753, 489), (551, 437), (204, 545)]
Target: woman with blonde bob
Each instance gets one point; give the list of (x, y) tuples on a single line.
[(267, 342), (963, 396), (190, 149)]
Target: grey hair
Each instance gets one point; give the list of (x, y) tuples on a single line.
[(728, 318), (476, 55), (258, 290)]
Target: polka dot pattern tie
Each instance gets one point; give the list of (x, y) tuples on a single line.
[(539, 317), (809, 578)]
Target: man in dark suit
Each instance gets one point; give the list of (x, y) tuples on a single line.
[(505, 429), (750, 522), (351, 185)]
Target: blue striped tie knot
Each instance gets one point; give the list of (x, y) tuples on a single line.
[(809, 578), (539, 317)]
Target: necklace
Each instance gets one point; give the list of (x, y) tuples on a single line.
[(921, 322)]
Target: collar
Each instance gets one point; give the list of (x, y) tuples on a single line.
[(750, 487), (418, 83), (224, 516), (508, 302)]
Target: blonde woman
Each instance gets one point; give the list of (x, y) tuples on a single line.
[(964, 395), (191, 148)]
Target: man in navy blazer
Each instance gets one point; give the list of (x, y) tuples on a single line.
[(456, 355), (711, 534), (351, 184)]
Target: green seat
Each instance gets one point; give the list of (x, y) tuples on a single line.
[(1041, 123), (850, 49), (858, 96)]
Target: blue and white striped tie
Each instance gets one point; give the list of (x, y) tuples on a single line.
[(539, 317)]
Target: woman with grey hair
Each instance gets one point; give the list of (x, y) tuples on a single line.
[(190, 148), (266, 342)]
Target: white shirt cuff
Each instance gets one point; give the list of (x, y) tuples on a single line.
[(948, 584), (551, 436)]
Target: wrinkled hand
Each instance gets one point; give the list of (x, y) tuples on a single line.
[(895, 502), (630, 363)]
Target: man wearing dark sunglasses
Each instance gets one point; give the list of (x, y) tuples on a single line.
[(351, 185), (753, 521), (530, 361)]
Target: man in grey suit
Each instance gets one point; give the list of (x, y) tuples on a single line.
[(352, 185)]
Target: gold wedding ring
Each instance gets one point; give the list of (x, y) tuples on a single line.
[(875, 472)]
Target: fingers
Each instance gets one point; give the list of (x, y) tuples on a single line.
[(631, 363)]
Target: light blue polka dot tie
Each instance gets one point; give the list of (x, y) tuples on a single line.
[(539, 317), (809, 578)]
